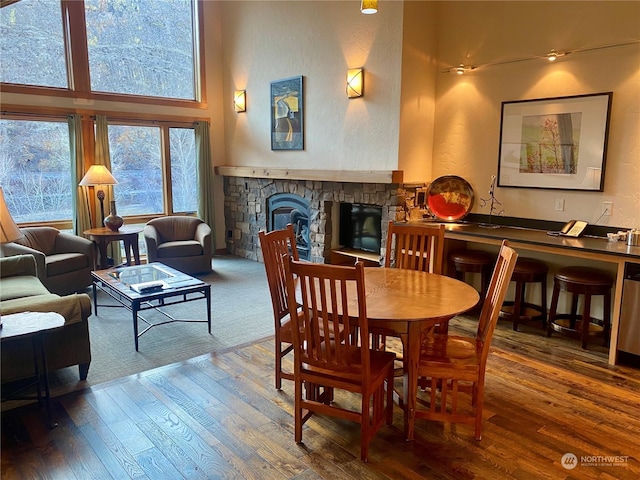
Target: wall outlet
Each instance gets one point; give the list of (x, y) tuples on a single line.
[(607, 208), (559, 204)]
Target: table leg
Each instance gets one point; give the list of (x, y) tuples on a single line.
[(411, 357), (136, 250), (45, 376), (102, 247), (134, 309), (208, 295), (127, 248), (95, 299)]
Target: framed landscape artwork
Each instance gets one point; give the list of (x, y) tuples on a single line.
[(555, 143), (287, 131)]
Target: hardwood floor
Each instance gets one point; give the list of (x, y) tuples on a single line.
[(220, 417)]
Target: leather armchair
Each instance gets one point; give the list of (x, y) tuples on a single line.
[(181, 242), (63, 261)]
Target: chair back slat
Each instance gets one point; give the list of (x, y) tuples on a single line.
[(505, 264), (415, 247), (328, 297)]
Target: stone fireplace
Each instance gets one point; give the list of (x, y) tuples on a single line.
[(254, 204)]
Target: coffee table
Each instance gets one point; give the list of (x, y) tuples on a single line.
[(167, 286)]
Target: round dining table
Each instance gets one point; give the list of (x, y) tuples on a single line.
[(407, 303)]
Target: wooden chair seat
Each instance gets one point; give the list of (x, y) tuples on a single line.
[(451, 365)]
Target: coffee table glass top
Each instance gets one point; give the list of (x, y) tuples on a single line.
[(141, 274)]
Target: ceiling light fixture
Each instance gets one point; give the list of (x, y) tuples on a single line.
[(369, 7), (552, 56)]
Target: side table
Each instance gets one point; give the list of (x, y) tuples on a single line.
[(35, 326), (103, 236)]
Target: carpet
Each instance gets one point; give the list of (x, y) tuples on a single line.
[(241, 313)]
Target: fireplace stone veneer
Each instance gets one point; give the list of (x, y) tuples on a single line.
[(246, 210)]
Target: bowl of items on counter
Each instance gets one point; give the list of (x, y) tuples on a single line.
[(449, 198)]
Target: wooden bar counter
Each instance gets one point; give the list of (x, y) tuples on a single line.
[(616, 254)]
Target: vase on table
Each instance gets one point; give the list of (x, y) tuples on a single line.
[(113, 221)]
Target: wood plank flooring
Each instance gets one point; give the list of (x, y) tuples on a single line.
[(220, 417)]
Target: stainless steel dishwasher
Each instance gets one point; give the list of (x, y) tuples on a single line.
[(629, 332)]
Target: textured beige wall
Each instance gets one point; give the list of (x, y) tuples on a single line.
[(468, 108), (267, 41)]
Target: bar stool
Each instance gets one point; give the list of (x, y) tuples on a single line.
[(528, 270), (581, 281), (473, 261)]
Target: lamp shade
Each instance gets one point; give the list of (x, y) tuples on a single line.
[(355, 82), (9, 231), (97, 175), (240, 100)]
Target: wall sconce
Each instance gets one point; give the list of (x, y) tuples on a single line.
[(355, 82), (240, 100), (369, 7)]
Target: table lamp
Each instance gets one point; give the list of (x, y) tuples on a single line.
[(98, 175), (9, 231)]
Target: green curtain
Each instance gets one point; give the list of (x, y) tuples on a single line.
[(205, 178), (81, 217), (102, 156)]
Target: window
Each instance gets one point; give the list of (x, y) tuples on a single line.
[(141, 47), (184, 167), (35, 169), (138, 48), (32, 44), (137, 164)]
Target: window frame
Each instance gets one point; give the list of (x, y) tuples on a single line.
[(77, 63), (165, 122)]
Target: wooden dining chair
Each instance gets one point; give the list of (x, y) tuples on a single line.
[(275, 246), (413, 247), (451, 366), (332, 296)]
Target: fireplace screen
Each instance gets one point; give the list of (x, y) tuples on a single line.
[(285, 208)]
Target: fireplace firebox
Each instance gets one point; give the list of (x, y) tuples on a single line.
[(285, 208)]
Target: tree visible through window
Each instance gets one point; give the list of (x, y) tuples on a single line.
[(141, 47), (35, 169), (32, 44)]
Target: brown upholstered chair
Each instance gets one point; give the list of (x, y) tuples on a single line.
[(327, 303), (453, 366), (63, 261), (179, 241), (275, 245)]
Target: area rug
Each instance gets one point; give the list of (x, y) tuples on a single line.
[(241, 313)]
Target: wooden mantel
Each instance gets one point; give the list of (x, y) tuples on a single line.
[(355, 176)]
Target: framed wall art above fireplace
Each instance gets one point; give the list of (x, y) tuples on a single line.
[(555, 143), (287, 132)]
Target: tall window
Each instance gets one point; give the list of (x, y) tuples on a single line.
[(141, 47), (137, 163), (32, 44), (146, 48), (35, 169)]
